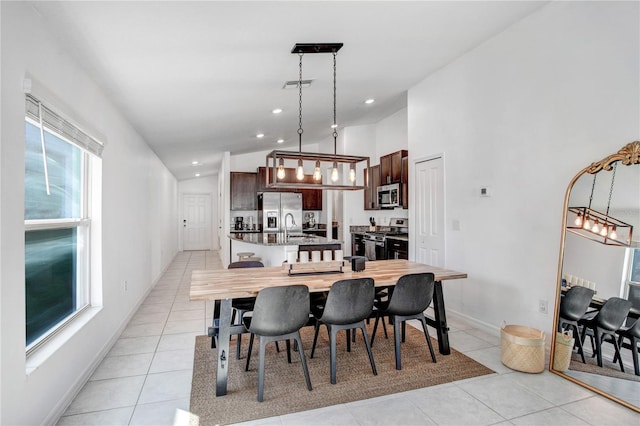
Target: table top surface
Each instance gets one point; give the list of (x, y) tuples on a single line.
[(247, 282)]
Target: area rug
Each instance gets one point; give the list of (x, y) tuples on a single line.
[(285, 390), (608, 368)]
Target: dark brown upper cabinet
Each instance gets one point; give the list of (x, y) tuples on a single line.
[(372, 176), (391, 167), (243, 191)]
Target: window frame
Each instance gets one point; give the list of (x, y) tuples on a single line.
[(83, 225)]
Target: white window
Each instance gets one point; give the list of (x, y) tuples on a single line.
[(57, 217)]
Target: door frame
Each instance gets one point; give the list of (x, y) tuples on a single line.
[(413, 195)]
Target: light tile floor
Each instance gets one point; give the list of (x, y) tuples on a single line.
[(146, 377)]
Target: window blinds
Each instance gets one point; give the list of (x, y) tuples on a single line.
[(53, 122)]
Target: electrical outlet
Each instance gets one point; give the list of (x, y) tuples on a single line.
[(543, 306)]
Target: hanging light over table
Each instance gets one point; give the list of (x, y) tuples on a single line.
[(594, 225), (278, 157)]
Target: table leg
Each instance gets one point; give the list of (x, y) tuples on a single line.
[(223, 347), (441, 319)]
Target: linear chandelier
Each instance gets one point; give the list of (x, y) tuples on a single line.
[(597, 226), (275, 160)]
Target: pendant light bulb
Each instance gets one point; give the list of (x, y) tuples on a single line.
[(300, 171), (613, 235), (281, 173), (596, 228), (604, 231), (334, 172), (578, 221), (352, 173), (317, 172), (587, 223)]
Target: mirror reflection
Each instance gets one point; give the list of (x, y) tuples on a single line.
[(600, 283)]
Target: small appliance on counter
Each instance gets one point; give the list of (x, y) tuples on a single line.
[(239, 220)]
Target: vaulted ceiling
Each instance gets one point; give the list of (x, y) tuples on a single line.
[(197, 79)]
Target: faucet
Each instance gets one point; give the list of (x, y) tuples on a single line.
[(293, 222)]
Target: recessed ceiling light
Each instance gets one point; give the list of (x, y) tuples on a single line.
[(334, 126), (369, 101), (260, 135), (195, 163), (277, 111), (280, 141), (197, 174)]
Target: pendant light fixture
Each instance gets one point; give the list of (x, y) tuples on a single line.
[(278, 157), (594, 225)]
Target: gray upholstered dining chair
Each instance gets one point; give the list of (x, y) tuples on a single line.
[(348, 304), (573, 306), (241, 306), (605, 324), (410, 297), (633, 334), (278, 314)]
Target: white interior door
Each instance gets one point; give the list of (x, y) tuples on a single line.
[(196, 222), (429, 193)]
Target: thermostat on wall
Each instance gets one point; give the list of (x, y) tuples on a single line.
[(485, 191)]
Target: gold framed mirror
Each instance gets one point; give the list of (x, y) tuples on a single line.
[(600, 251)]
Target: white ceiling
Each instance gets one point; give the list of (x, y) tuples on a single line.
[(200, 78)]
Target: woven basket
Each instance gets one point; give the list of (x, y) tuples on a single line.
[(522, 348), (562, 352)]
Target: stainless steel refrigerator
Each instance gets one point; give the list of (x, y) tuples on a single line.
[(277, 207)]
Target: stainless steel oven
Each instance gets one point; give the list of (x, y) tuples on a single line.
[(374, 246)]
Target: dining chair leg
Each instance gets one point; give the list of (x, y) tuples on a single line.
[(579, 340), (315, 338), (396, 341), (616, 347), (348, 339), (332, 356), (262, 345), (288, 351), (375, 327), (303, 361), (368, 345), (426, 336), (634, 353), (246, 366), (598, 338)]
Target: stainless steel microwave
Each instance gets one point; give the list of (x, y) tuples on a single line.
[(389, 196)]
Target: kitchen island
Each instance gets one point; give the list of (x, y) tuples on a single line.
[(272, 248)]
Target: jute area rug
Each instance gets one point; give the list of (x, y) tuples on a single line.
[(608, 368), (285, 390)]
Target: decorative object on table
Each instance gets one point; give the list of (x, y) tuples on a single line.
[(522, 348), (304, 256), (315, 267), (278, 157), (563, 351), (327, 255)]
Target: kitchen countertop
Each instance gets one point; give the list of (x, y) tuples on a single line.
[(277, 239), (398, 237)]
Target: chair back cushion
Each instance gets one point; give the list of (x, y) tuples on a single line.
[(412, 294), (246, 264), (575, 303), (613, 313), (349, 301), (280, 310)]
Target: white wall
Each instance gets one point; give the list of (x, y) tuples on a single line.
[(138, 216), (523, 113), (374, 140), (201, 185)]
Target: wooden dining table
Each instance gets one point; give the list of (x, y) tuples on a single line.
[(224, 285)]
